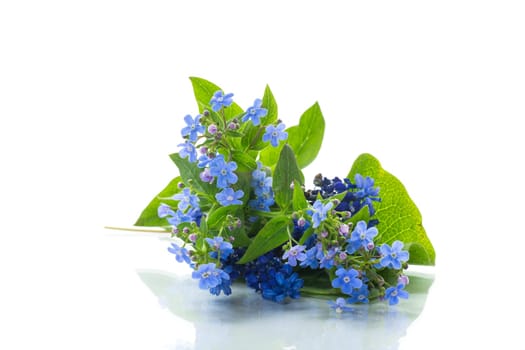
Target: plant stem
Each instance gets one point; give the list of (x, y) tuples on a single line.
[(134, 229)]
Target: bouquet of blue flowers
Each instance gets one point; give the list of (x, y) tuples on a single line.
[(240, 209)]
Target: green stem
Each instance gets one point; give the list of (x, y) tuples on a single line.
[(134, 229)]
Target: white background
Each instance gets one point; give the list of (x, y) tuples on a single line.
[(92, 95)]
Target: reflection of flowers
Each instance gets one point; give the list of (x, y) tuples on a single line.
[(360, 325)]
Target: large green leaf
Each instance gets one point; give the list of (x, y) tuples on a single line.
[(399, 218), (272, 235), (252, 139), (286, 172), (149, 216), (204, 90), (217, 217), (299, 200), (307, 137), (189, 173)]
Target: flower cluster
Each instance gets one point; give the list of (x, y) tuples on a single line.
[(240, 216)]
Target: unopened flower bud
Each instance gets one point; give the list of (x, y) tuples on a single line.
[(324, 234), (212, 129), (175, 231), (370, 246), (180, 185), (185, 230), (344, 229), (232, 238), (343, 256), (403, 279), (232, 126), (301, 222), (203, 150), (193, 237), (206, 113)]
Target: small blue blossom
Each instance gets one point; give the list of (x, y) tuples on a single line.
[(274, 134), (393, 256), (263, 186), (294, 254), (224, 286), (393, 294), (219, 245), (327, 261), (188, 151), (320, 212), (313, 256), (224, 171), (361, 237), (339, 305), (282, 284), (365, 186), (181, 253), (209, 276), (258, 174), (229, 197), (261, 203), (179, 217), (347, 280), (220, 100), (186, 199), (261, 270), (255, 112), (359, 295), (203, 161), (193, 128), (165, 210)]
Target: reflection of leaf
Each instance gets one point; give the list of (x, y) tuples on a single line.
[(149, 216), (399, 218)]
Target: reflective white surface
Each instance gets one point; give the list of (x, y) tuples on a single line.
[(245, 319)]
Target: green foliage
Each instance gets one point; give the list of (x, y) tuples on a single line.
[(286, 172), (204, 90), (272, 235), (399, 218), (189, 173), (149, 216), (305, 139)]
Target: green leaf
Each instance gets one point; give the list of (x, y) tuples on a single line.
[(204, 90), (252, 139), (399, 218), (268, 102), (270, 155), (244, 160), (217, 216), (149, 216), (272, 235), (286, 172), (216, 220), (189, 173), (307, 137), (299, 200)]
